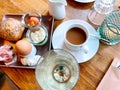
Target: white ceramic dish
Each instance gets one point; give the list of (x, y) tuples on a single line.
[(81, 56), (84, 1)]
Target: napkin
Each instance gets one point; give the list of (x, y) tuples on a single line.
[(111, 80)]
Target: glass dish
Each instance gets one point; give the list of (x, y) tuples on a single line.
[(31, 19), (57, 70), (110, 28), (37, 35)]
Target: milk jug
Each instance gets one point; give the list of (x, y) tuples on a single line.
[(57, 8)]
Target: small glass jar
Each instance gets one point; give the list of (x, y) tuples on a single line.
[(31, 19), (37, 35)]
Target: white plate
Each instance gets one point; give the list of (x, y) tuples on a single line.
[(84, 1), (81, 56)]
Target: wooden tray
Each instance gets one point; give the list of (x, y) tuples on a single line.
[(48, 22)]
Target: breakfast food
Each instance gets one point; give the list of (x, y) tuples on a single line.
[(7, 54), (23, 47), (31, 19), (30, 61), (37, 35), (27, 53), (11, 29)]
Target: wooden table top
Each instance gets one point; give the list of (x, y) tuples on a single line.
[(91, 72)]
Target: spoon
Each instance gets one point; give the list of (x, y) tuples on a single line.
[(100, 38)]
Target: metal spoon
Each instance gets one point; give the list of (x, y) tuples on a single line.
[(100, 38)]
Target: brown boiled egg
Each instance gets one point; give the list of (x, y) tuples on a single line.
[(23, 47)]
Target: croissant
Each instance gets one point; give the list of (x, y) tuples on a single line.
[(11, 29)]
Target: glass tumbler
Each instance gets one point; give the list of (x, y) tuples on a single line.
[(100, 9), (110, 28), (57, 70)]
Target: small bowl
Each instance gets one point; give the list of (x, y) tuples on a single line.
[(37, 35), (31, 19)]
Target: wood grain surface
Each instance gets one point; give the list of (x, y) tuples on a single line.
[(91, 72)]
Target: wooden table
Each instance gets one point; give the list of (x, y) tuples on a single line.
[(91, 72)]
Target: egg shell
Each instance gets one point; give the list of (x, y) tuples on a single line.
[(23, 47)]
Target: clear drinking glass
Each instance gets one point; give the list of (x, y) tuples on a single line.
[(57, 70), (110, 28), (100, 9)]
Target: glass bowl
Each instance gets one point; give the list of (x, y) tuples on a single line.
[(37, 35), (31, 19), (110, 28), (57, 70)]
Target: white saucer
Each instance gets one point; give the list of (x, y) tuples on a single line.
[(81, 56), (84, 1)]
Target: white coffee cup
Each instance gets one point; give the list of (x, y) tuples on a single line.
[(76, 37)]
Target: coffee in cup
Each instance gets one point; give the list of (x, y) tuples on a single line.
[(76, 37)]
